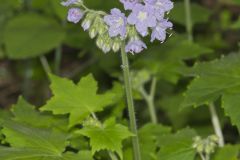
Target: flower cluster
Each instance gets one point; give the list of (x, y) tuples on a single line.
[(146, 16)]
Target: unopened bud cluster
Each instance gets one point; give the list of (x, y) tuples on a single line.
[(206, 146), (111, 30), (91, 122)]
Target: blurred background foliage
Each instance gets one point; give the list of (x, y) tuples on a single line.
[(35, 33)]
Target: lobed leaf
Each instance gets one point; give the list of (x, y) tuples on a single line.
[(109, 136), (78, 100)]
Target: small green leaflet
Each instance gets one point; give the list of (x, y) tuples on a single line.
[(220, 78), (79, 100), (109, 136)]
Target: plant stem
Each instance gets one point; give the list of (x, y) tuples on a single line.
[(216, 125), (188, 19), (152, 95), (129, 96), (202, 156), (28, 73), (45, 64), (113, 156), (149, 98), (58, 57)]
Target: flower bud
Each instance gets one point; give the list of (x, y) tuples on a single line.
[(92, 122), (86, 24), (92, 32), (100, 25), (75, 15), (99, 41), (132, 33), (106, 48), (116, 45), (200, 148), (107, 43)]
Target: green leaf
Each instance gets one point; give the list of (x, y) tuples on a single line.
[(22, 135), (172, 108), (30, 35), (197, 16), (25, 112), (228, 152), (220, 78), (82, 155), (167, 60), (7, 153), (109, 136), (30, 143), (177, 146), (79, 100), (148, 139)]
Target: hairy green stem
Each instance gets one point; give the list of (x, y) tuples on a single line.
[(216, 125), (57, 60), (130, 103), (45, 64), (28, 73), (151, 104), (188, 19)]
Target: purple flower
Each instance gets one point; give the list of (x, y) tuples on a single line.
[(129, 4), (135, 46), (117, 23), (159, 32), (142, 17), (150, 1), (69, 2), (159, 7), (75, 15), (163, 5)]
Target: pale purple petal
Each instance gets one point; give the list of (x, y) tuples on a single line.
[(75, 15), (159, 32), (142, 17), (129, 4), (142, 29), (117, 23), (135, 46), (159, 7)]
